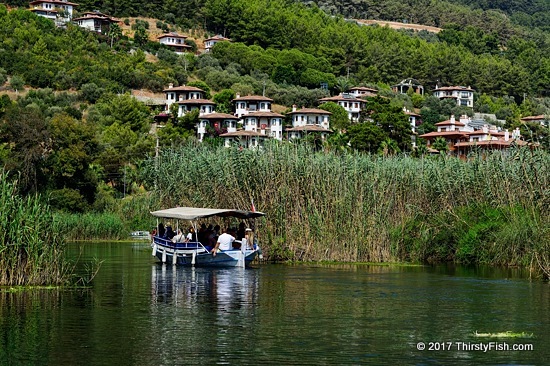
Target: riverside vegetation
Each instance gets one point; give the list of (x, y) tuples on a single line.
[(491, 209)]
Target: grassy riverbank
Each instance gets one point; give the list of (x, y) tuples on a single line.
[(30, 249), (353, 207)]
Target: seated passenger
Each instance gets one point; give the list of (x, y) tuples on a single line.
[(224, 242), (190, 235), (169, 232), (178, 238)]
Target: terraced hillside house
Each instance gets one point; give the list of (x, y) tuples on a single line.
[(363, 92), (250, 104), (461, 136), (349, 102), (95, 21), (210, 42), (464, 96), (180, 93), (175, 41), (308, 121), (60, 11)]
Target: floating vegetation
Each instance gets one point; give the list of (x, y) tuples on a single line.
[(507, 334)]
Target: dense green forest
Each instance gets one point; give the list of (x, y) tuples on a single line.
[(80, 138)]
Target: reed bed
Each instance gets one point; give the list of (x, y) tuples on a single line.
[(356, 207), (132, 213), (30, 249)]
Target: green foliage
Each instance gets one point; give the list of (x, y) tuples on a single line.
[(31, 249), (485, 210), (223, 101), (339, 118)]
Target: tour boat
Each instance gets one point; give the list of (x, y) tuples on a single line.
[(195, 253)]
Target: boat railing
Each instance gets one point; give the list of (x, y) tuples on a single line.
[(191, 245)]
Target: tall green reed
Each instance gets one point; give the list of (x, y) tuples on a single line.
[(31, 251), (349, 207)]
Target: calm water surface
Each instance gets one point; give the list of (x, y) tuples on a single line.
[(142, 313)]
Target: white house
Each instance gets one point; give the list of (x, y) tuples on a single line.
[(464, 96), (243, 139), (205, 106), (308, 120), (414, 120), (181, 93), (363, 92), (349, 102), (210, 42), (221, 122), (251, 103), (175, 41), (60, 11), (269, 124), (95, 21), (461, 136)]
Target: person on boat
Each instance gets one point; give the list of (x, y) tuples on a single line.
[(213, 236), (178, 238), (162, 230), (224, 242), (169, 232), (202, 235), (249, 239), (190, 235), (241, 232)]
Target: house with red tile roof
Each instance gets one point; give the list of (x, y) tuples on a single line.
[(461, 137), (464, 96), (308, 120), (363, 92), (251, 103), (210, 42), (175, 41), (544, 120), (60, 11), (349, 102), (95, 21), (180, 93), (219, 122)]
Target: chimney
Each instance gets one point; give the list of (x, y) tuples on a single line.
[(237, 96), (294, 108), (485, 129), (170, 86), (506, 135), (452, 119), (181, 97)]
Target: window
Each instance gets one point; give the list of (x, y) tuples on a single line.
[(253, 122)]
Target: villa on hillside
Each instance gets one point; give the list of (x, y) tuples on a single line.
[(544, 120), (210, 42), (464, 96), (181, 93), (404, 86), (175, 41), (60, 11), (220, 122), (349, 102), (462, 137), (205, 106), (363, 92), (414, 120), (95, 21), (308, 120), (251, 103)]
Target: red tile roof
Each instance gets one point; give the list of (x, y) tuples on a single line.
[(196, 101), (171, 34), (448, 123), (183, 88), (263, 114), (310, 111), (243, 133), (219, 116), (309, 128), (253, 98), (57, 2)]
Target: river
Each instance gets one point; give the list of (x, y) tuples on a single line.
[(139, 312)]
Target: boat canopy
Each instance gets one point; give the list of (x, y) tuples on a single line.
[(195, 213)]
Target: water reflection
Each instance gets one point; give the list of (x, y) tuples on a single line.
[(226, 290)]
